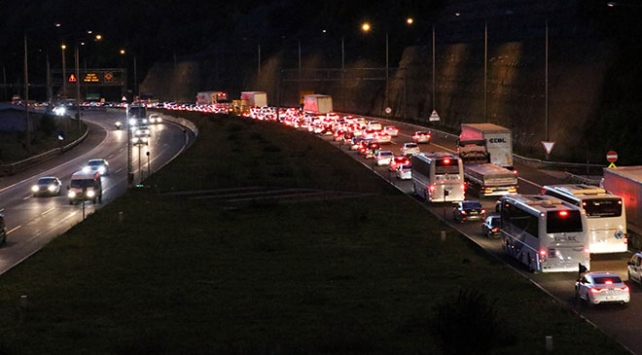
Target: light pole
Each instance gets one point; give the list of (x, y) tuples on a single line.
[(63, 47), (77, 60), (27, 124)]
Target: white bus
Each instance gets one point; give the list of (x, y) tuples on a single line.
[(438, 177), (604, 213), (544, 233)]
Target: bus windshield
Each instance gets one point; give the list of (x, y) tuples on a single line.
[(607, 207), (563, 222)]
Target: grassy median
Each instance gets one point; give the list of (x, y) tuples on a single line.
[(261, 239)]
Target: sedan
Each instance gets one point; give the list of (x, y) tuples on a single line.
[(397, 161), (154, 118), (404, 172), (384, 157), (391, 130), (47, 186), (469, 210), (410, 149), (490, 227), (602, 287), (422, 137), (100, 166)]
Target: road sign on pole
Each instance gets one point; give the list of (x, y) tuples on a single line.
[(611, 157), (434, 116), (548, 146)]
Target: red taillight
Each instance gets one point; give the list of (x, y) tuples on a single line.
[(625, 289), (483, 211), (463, 212), (563, 213), (596, 290), (495, 230), (432, 188), (608, 282), (542, 253)]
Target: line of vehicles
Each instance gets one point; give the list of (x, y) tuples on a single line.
[(554, 231)]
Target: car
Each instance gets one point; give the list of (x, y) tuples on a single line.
[(490, 227), (397, 161), (154, 118), (404, 172), (143, 130), (597, 287), (384, 157), (140, 139), (47, 186), (100, 166), (383, 138), (634, 268), (391, 130), (355, 143), (422, 136), (410, 149), (371, 149), (374, 125), (469, 210)]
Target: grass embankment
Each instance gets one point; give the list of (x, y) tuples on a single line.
[(357, 274)]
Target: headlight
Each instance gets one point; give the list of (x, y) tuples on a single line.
[(86, 169), (101, 170), (51, 188), (71, 194), (91, 193), (132, 121), (117, 123), (34, 188)]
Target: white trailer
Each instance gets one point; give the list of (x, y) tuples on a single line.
[(255, 98), (498, 139), (626, 182), (490, 179), (317, 104)]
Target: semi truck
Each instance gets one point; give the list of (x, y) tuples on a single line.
[(255, 98), (486, 178), (317, 104), (211, 97), (499, 143), (626, 182)]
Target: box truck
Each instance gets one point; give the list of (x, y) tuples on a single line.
[(498, 139), (317, 104), (255, 98)]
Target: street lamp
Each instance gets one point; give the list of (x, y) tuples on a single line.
[(63, 47)]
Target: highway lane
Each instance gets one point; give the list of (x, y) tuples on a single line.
[(32, 222), (615, 320)]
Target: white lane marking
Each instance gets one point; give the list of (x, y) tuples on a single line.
[(13, 229), (47, 211)]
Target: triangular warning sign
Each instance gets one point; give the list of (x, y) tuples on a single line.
[(548, 146), (434, 116), (72, 78)]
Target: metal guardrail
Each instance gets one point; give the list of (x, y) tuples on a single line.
[(10, 169)]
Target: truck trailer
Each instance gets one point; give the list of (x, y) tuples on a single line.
[(317, 104), (211, 97), (498, 139), (490, 179), (626, 182), (255, 98), (486, 178)]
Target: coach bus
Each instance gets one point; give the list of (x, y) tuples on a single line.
[(604, 213), (544, 233), (438, 177)]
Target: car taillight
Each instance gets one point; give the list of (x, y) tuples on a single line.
[(542, 253), (596, 290), (463, 212), (495, 230), (625, 289), (483, 211)]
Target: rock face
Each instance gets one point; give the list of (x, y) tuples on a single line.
[(507, 68)]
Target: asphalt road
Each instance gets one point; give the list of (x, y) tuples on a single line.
[(620, 322), (32, 222)]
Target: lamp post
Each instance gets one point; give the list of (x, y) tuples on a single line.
[(63, 47), (27, 123)]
